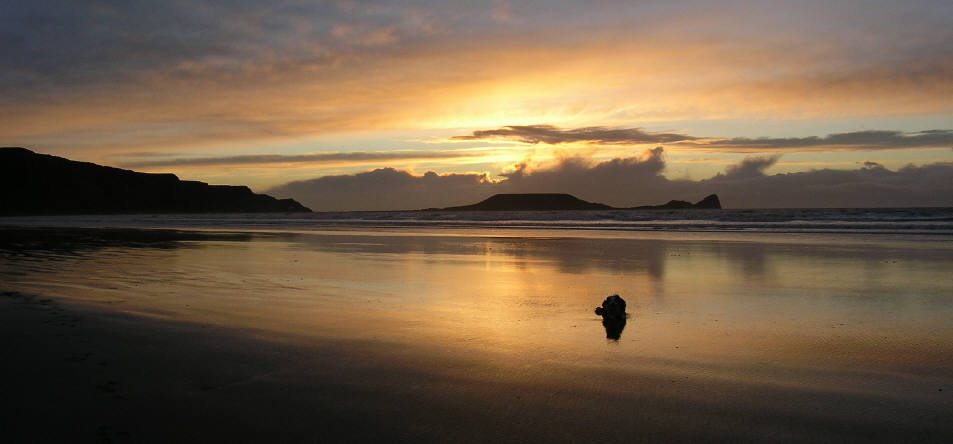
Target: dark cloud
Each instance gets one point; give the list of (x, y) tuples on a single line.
[(595, 134), (872, 139), (387, 189), (65, 46), (636, 181), (869, 186), (255, 159)]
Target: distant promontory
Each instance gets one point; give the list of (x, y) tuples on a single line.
[(35, 184), (568, 202)]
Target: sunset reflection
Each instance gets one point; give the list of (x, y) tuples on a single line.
[(530, 298)]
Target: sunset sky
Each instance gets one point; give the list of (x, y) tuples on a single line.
[(388, 105)]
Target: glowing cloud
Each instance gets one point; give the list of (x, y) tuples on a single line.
[(552, 135)]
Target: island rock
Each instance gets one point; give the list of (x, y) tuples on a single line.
[(568, 202)]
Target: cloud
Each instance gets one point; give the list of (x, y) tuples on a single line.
[(368, 37), (911, 186), (751, 167), (387, 189), (632, 181), (610, 181), (314, 158), (552, 135), (858, 140), (288, 70), (872, 139), (501, 11)]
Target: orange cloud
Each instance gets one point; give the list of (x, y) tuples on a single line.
[(581, 76)]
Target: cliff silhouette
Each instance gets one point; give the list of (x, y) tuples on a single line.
[(568, 202), (32, 183)]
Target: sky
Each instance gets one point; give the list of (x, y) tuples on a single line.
[(351, 105)]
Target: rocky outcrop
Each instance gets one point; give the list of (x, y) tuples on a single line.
[(32, 183), (531, 202), (613, 316), (612, 308), (710, 202), (568, 202)]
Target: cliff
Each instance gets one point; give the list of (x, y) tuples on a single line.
[(32, 183), (565, 202)]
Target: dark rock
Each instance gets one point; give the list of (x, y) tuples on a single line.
[(710, 202), (32, 183), (613, 316), (568, 202), (612, 308), (531, 202), (614, 328)]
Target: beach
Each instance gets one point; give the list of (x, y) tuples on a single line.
[(473, 335), (476, 222)]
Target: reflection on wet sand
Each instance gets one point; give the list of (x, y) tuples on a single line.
[(754, 283), (723, 324)]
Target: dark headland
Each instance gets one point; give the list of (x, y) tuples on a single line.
[(34, 184), (568, 202)]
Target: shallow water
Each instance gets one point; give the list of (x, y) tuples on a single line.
[(798, 301), (930, 221), (830, 317)]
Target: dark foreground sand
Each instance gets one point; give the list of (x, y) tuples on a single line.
[(75, 374)]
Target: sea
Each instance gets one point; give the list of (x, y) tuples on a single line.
[(931, 221)]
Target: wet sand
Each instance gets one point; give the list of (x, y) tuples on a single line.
[(474, 339)]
